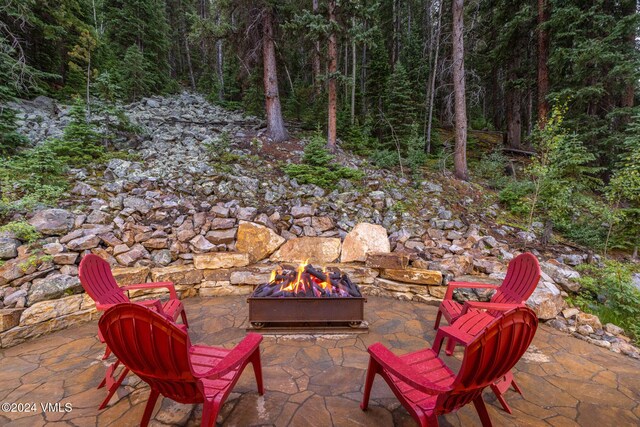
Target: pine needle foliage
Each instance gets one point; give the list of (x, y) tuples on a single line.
[(318, 166)]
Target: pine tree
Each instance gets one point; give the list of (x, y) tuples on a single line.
[(137, 79), (400, 107), (142, 23), (10, 140), (80, 142)]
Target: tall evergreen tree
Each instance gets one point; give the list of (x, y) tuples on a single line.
[(142, 23), (136, 73)]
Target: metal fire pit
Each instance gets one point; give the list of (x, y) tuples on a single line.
[(300, 314)]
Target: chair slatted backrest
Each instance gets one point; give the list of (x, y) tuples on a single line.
[(98, 281), (490, 356), (151, 346), (521, 280)]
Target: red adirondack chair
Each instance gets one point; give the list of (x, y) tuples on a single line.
[(426, 386), (521, 280), (98, 281), (161, 354)]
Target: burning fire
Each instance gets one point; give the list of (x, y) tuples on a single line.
[(307, 281)]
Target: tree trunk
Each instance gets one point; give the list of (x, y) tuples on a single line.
[(189, 65), (514, 118), (354, 70), (543, 58), (204, 14), (275, 125), (88, 87), (628, 97), (333, 68), (220, 69), (460, 155), (432, 80), (363, 78), (316, 57), (394, 39)]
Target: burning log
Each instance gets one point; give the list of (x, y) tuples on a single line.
[(307, 282)]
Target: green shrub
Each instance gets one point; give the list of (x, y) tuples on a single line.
[(80, 143), (491, 168), (608, 292), (358, 139), (34, 261), (22, 230), (480, 123), (33, 177), (318, 167), (416, 157), (384, 158), (515, 196)]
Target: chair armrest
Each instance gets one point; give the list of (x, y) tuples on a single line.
[(392, 363), (152, 304), (103, 307), (486, 306), (167, 285), (236, 357), (454, 285), (453, 334)]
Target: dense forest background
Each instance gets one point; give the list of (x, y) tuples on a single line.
[(399, 81)]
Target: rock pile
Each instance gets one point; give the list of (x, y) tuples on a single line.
[(178, 214)]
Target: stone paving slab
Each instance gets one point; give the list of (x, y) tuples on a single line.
[(318, 380)]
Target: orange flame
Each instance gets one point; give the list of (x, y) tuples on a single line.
[(310, 283), (295, 285)]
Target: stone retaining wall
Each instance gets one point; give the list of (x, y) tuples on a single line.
[(211, 275)]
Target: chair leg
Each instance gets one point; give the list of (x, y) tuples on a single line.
[(501, 386), (210, 409), (183, 315), (368, 383), (438, 317), (113, 388), (451, 346), (430, 421), (148, 410), (109, 375), (482, 411), (107, 353), (257, 370), (516, 388)]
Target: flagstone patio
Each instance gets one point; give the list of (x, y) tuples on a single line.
[(317, 380)]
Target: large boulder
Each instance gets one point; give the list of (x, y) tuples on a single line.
[(178, 274), (8, 247), (131, 275), (393, 260), (458, 265), (12, 270), (136, 253), (363, 239), (413, 275), (47, 310), (217, 260), (562, 275), (546, 301), (315, 249), (85, 242), (53, 222), (9, 318), (258, 241), (53, 287)]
